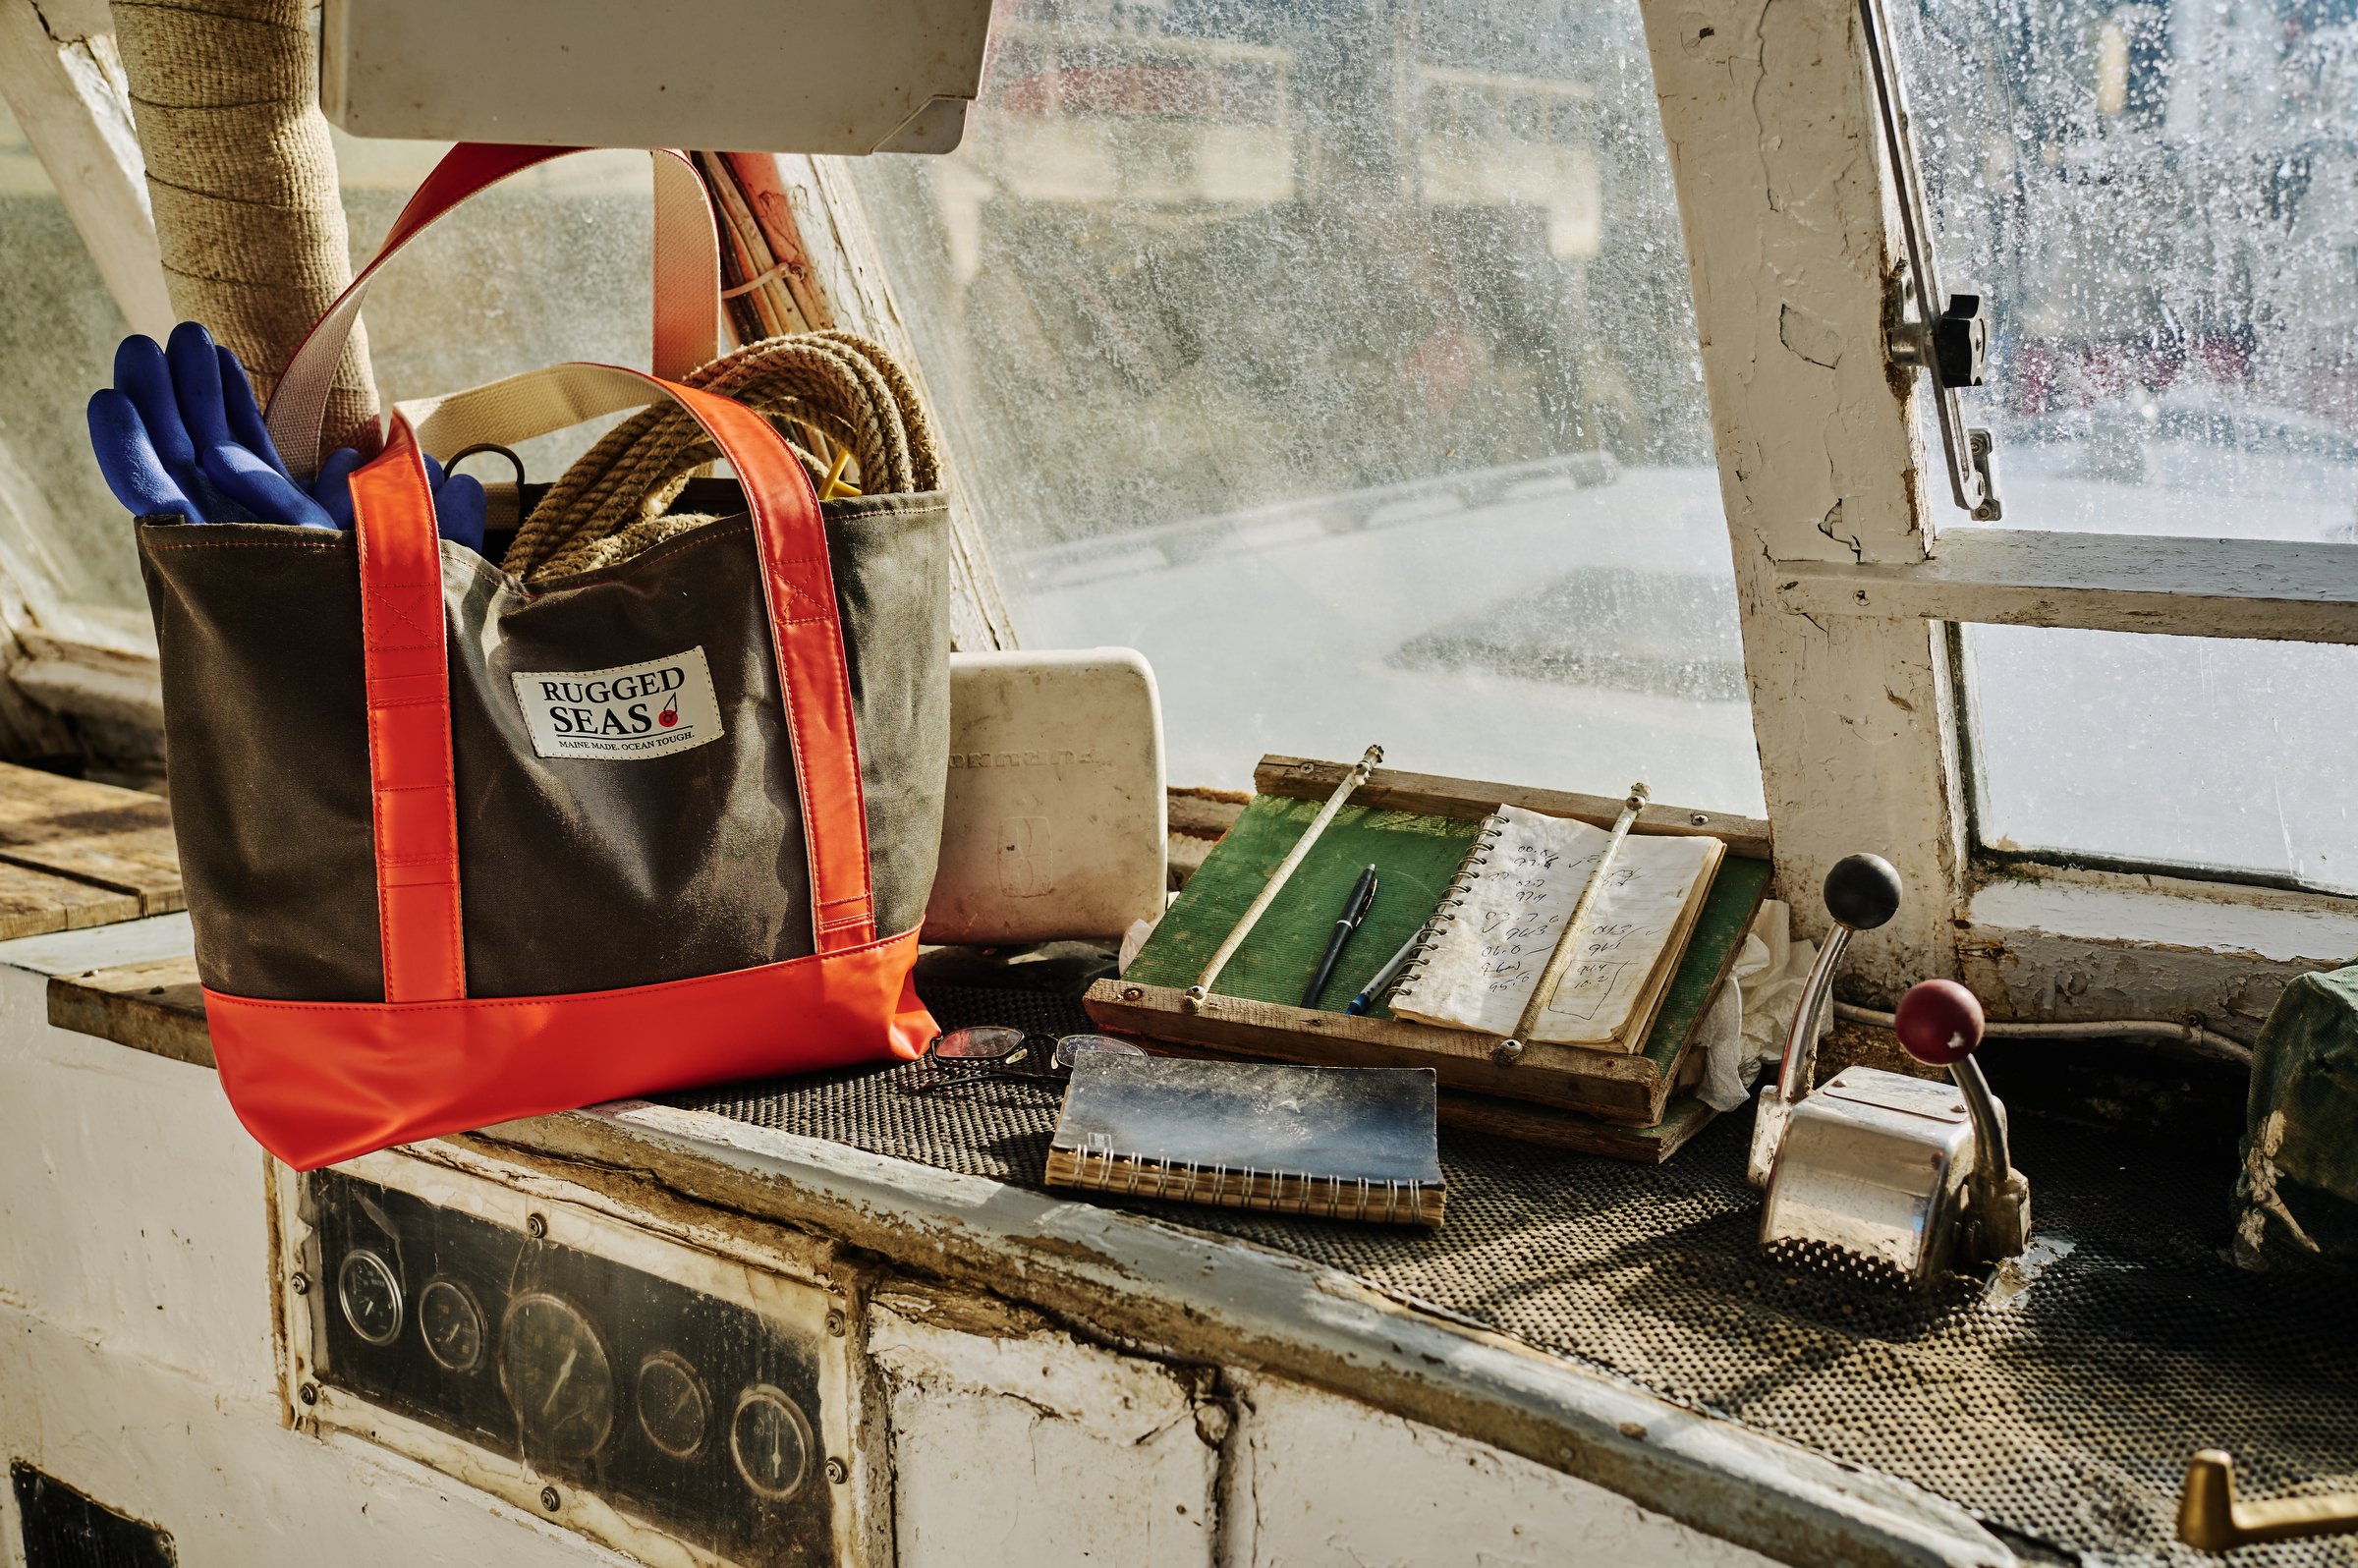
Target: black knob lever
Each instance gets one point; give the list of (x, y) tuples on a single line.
[(1862, 891)]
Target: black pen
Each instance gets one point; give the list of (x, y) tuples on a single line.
[(1355, 910)]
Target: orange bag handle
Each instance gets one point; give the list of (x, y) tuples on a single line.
[(414, 799), (687, 281)]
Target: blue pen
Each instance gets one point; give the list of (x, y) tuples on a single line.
[(1386, 976)]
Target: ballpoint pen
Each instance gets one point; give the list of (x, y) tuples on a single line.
[(1384, 977), (1355, 910)]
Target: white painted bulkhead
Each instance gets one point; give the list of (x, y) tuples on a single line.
[(139, 1364)]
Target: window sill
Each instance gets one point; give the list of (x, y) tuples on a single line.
[(2058, 944)]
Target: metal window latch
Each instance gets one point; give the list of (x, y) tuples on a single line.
[(1955, 347), (1951, 339)]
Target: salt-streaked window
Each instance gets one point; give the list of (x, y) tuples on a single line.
[(1341, 359)]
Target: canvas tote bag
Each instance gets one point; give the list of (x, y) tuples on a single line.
[(459, 848)]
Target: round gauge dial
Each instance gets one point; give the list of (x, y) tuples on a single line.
[(770, 1441), (556, 1374), (452, 1324), (370, 1292), (674, 1410)]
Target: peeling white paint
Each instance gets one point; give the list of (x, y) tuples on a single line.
[(1322, 1481), (131, 1207), (136, 1353), (1789, 222), (1039, 1451)]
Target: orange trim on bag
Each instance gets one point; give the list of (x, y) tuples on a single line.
[(320, 1082), (413, 798)]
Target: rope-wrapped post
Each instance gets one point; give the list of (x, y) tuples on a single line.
[(242, 179)]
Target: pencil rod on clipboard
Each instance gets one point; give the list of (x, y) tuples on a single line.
[(1201, 991), (1568, 940)]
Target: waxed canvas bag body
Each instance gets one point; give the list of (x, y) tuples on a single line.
[(460, 849)]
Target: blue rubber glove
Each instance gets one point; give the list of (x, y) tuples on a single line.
[(178, 433), (460, 507)]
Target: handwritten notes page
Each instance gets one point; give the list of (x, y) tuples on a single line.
[(1516, 896)]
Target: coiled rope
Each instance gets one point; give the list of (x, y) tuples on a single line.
[(855, 411)]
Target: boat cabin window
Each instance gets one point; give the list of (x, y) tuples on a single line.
[(1341, 359), (2158, 201), (64, 543), (1406, 375), (452, 314)]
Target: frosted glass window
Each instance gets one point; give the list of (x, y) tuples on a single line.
[(1340, 357), (62, 534), (2172, 751), (549, 264), (2161, 201)]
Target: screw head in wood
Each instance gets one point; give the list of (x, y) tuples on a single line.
[(549, 1498), (837, 1471), (300, 1283), (835, 1325), (535, 1227), (309, 1393)]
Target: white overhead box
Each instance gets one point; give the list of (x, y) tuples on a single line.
[(742, 76)]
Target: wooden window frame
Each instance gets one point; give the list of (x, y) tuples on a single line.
[(1847, 586)]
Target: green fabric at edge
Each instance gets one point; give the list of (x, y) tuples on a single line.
[(2297, 1196)]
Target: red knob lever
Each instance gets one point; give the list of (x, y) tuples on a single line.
[(1940, 1021)]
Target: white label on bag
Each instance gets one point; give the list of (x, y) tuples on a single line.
[(620, 715)]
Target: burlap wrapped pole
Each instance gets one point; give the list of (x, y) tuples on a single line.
[(242, 178)]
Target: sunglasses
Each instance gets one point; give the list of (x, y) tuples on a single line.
[(1003, 1054)]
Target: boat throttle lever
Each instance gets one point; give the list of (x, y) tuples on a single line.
[(1862, 892), (1940, 1024), (1881, 1173)]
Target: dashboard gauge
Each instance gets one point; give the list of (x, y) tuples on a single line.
[(556, 1374), (674, 1410), (370, 1292), (452, 1324), (770, 1441)]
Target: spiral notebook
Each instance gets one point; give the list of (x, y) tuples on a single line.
[(1326, 1143), (1499, 920)]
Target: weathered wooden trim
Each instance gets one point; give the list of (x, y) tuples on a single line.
[(1616, 1086), (156, 1007), (1790, 225), (64, 83), (2290, 590), (2062, 944), (116, 839), (1129, 1280), (90, 680), (33, 902), (1395, 790)]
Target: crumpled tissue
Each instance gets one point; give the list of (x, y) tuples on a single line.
[(1745, 1029)]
